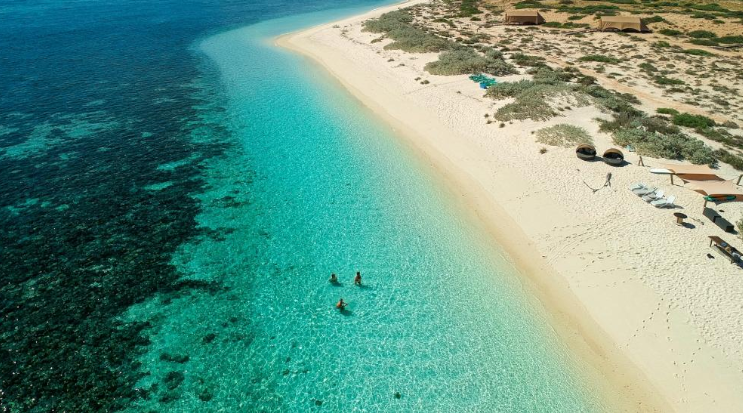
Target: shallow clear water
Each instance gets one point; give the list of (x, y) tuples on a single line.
[(442, 320), (172, 210)]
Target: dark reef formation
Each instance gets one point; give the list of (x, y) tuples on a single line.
[(82, 239)]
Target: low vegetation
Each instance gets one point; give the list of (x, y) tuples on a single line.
[(692, 121), (398, 26), (599, 58), (670, 32), (527, 60), (669, 146), (697, 10), (468, 8), (701, 34), (654, 136), (563, 135), (667, 111), (663, 80), (566, 25), (697, 52), (467, 61), (534, 99), (549, 92)]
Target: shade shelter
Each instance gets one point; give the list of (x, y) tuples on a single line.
[(692, 172), (622, 23), (716, 190), (524, 17)]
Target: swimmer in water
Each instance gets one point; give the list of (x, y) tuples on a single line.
[(333, 278), (357, 280), (341, 305)]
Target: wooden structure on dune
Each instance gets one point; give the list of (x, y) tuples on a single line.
[(622, 23), (523, 17)]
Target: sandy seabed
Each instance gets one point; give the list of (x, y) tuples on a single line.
[(630, 290)]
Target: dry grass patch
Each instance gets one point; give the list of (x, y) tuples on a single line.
[(564, 135)]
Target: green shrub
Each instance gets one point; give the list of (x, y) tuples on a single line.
[(661, 44), (600, 9), (708, 7), (731, 159), (508, 89), (658, 124), (532, 98), (662, 4), (706, 16), (563, 135), (464, 61), (675, 146), (716, 135), (667, 111), (654, 19), (618, 103), (397, 25), (468, 8), (670, 32), (693, 121), (445, 21), (622, 120), (398, 19), (731, 39), (663, 80), (530, 4), (527, 60), (697, 52), (566, 25), (647, 67), (703, 42), (599, 58), (548, 76), (702, 34), (534, 103)]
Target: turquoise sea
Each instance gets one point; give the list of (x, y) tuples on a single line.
[(179, 191)]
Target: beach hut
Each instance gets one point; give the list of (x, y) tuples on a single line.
[(622, 23), (614, 157), (523, 17), (585, 152)]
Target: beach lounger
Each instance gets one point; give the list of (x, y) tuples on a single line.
[(644, 191), (654, 196), (664, 203), (637, 186), (725, 249)]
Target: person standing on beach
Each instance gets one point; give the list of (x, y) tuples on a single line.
[(357, 280)]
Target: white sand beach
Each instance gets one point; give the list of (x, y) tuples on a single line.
[(629, 288)]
